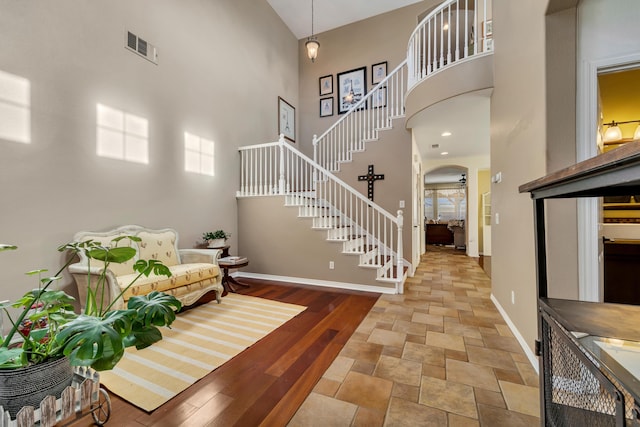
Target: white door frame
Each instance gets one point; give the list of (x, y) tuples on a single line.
[(589, 255)]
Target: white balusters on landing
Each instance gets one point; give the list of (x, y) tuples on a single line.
[(456, 30)]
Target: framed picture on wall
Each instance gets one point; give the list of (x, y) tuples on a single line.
[(487, 28), (286, 120), (379, 98), (326, 85), (326, 107), (378, 72), (352, 87)]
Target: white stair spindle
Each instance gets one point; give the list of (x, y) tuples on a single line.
[(399, 254), (449, 35), (441, 63), (457, 30), (466, 28), (281, 181)]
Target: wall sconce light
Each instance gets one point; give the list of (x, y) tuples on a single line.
[(614, 134), (312, 44)]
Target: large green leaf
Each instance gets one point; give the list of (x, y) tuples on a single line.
[(155, 308), (94, 341), (10, 357), (147, 267), (117, 255), (143, 336)]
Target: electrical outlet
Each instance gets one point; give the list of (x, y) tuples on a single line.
[(513, 297), (331, 265), (497, 218), (401, 204)]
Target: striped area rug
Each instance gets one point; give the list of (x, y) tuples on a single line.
[(200, 340)]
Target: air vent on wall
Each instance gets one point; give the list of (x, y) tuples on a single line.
[(141, 47)]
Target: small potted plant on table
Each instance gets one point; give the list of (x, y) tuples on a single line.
[(216, 238)]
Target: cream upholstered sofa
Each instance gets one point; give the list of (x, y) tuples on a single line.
[(194, 272)]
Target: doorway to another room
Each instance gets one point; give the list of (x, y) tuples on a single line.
[(445, 207)]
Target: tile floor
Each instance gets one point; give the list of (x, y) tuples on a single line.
[(439, 355)]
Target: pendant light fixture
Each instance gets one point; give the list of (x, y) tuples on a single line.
[(312, 44)]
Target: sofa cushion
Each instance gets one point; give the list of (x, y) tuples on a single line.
[(182, 274), (117, 269), (158, 246)]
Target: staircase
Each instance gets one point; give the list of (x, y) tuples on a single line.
[(366, 231), (446, 36)]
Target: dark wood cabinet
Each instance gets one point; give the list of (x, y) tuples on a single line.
[(622, 271), (589, 352), (438, 234)]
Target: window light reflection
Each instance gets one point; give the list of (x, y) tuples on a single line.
[(15, 108), (121, 135), (198, 155)]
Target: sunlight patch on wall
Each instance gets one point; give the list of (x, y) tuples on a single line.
[(122, 135), (198, 155), (15, 108)]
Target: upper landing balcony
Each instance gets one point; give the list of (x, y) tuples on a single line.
[(450, 53)]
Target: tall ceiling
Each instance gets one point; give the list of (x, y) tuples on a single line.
[(330, 14)]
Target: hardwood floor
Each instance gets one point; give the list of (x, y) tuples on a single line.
[(265, 384)]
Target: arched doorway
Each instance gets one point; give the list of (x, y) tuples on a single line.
[(446, 206)]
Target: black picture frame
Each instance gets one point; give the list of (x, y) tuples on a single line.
[(378, 72), (286, 119), (325, 85), (326, 107), (353, 80), (379, 98)]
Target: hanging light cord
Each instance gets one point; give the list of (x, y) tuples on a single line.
[(311, 18)]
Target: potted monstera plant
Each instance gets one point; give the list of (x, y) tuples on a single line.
[(47, 337)]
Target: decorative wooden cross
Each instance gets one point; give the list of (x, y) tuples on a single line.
[(370, 177)]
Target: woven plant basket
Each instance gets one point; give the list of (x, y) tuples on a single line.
[(28, 386)]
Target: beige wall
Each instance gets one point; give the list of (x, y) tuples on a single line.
[(289, 247), (221, 68), (562, 228), (518, 151)]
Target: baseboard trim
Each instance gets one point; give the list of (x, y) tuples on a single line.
[(533, 359), (315, 282)]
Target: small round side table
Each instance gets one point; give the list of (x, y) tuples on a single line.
[(231, 264)]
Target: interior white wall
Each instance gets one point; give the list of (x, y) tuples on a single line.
[(221, 67), (473, 165)]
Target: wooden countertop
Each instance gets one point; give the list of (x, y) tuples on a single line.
[(600, 319), (586, 178)]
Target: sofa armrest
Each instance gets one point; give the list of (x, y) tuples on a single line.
[(189, 256), (83, 275)]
